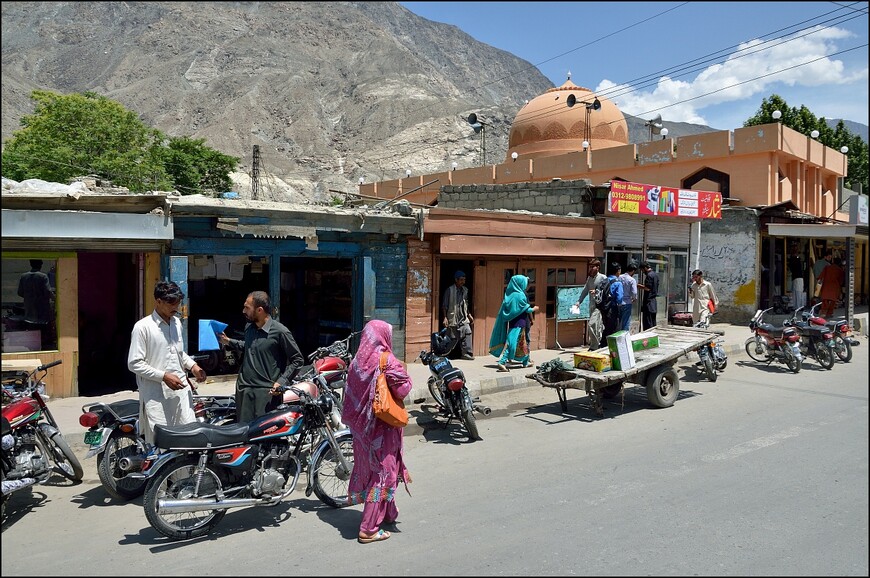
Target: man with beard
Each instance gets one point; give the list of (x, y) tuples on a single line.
[(271, 359)]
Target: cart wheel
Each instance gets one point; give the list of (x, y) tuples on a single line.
[(663, 386)]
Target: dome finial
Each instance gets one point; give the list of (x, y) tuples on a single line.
[(569, 75)]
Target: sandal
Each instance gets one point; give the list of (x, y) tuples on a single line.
[(502, 367), (378, 536)]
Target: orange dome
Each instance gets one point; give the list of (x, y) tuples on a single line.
[(548, 126)]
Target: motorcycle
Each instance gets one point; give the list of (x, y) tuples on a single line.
[(31, 438), (113, 436), (816, 341), (769, 343), (712, 354), (331, 362), (843, 341), (448, 388), (198, 471)]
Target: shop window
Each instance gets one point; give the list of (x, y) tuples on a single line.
[(29, 305), (557, 277)]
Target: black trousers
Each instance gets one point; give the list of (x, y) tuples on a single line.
[(647, 318)]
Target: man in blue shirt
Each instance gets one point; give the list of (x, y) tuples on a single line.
[(629, 296), (609, 306)]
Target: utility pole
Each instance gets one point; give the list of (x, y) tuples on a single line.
[(255, 173)]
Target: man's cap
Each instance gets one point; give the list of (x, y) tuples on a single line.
[(459, 274)]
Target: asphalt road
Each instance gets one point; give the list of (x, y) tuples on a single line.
[(762, 473)]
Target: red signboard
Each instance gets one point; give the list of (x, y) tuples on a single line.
[(652, 200)]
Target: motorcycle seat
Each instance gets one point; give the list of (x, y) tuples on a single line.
[(199, 435), (451, 374), (772, 329)]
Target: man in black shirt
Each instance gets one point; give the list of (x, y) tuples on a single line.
[(271, 360), (648, 307)]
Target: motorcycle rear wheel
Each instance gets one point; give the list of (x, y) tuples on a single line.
[(329, 477), (178, 480), (116, 482), (67, 463), (824, 355), (843, 348), (470, 424), (757, 351)]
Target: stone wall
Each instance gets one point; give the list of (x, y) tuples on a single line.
[(556, 197)]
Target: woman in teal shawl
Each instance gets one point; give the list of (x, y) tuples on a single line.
[(510, 334)]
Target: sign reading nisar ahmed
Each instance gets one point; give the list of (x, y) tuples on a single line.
[(652, 200)]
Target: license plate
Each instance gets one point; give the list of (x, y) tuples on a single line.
[(93, 438)]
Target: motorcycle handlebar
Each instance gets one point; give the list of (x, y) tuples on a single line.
[(47, 365)]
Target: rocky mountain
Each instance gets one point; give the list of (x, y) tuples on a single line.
[(330, 92)]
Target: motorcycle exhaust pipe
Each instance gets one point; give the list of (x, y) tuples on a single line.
[(131, 463), (482, 409), (10, 486), (203, 504)]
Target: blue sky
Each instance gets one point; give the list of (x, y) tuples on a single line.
[(701, 62)]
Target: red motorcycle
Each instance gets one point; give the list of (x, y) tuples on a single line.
[(331, 362), (771, 343), (843, 340), (32, 446)]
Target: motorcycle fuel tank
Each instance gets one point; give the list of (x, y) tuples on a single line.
[(21, 411), (276, 424)]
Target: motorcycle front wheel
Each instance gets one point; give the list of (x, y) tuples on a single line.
[(791, 361), (179, 480), (67, 463), (842, 348), (116, 481), (709, 369), (435, 391), (329, 477), (824, 355), (757, 350)]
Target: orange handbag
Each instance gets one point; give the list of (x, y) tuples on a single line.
[(711, 306), (385, 406)]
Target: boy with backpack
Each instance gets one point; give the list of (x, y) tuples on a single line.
[(607, 300)]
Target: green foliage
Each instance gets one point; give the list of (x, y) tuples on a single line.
[(804, 121), (195, 167), (79, 134)]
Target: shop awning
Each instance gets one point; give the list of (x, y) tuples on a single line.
[(817, 231)]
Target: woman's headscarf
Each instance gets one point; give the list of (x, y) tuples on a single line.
[(515, 303), (357, 414)]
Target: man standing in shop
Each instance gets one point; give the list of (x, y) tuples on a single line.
[(455, 315), (650, 287)]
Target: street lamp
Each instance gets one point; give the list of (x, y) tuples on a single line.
[(844, 149), (407, 173), (362, 180), (814, 134), (453, 165), (585, 145), (514, 155), (664, 133), (777, 114)]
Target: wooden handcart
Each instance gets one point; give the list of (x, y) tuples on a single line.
[(654, 368)]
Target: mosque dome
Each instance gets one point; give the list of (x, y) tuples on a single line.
[(554, 123)]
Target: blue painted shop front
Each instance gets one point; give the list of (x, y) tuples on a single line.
[(325, 290)]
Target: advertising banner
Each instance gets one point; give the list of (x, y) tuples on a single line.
[(653, 200)]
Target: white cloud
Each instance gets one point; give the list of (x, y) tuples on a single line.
[(754, 70)]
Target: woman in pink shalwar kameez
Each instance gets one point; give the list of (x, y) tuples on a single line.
[(378, 455)]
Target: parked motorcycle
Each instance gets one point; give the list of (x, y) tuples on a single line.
[(448, 388), (843, 341), (712, 354), (331, 362), (816, 341), (113, 436), (31, 438), (770, 343), (198, 471)]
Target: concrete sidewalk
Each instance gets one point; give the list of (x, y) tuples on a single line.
[(481, 374)]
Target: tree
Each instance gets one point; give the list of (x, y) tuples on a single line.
[(804, 121), (84, 133)]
